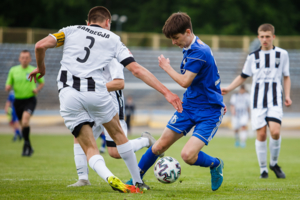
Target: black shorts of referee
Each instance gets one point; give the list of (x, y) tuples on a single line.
[(22, 105)]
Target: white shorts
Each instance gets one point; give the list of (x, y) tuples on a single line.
[(124, 127), (79, 107), (97, 130), (260, 117), (239, 121)]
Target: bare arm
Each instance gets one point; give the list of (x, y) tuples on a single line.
[(116, 84), (239, 80), (184, 80), (7, 105), (146, 76), (38, 89), (232, 109), (7, 88), (287, 91), (40, 50)]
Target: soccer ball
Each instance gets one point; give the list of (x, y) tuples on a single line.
[(167, 170)]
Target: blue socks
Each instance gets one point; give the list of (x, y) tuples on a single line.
[(17, 133), (103, 140), (147, 160), (205, 160)]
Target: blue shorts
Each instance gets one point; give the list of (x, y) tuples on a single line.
[(206, 120)]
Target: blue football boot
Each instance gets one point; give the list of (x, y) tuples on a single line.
[(217, 175), (129, 182)]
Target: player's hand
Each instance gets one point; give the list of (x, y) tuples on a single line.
[(163, 62), (288, 101), (35, 91), (225, 109), (224, 91), (175, 101), (34, 73)]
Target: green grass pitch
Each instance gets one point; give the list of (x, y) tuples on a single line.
[(47, 173)]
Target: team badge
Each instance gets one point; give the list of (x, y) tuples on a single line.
[(268, 72), (174, 118), (27, 77), (277, 61)]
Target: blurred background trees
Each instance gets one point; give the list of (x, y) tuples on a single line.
[(220, 17)]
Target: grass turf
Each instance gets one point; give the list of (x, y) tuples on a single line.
[(47, 173)]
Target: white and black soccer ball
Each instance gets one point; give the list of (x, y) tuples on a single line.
[(167, 170)]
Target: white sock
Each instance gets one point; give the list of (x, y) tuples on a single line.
[(274, 150), (261, 151), (139, 143), (243, 136), (81, 163), (97, 163), (126, 152)]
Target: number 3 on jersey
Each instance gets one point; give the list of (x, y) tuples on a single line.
[(87, 50)]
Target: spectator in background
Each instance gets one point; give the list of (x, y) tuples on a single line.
[(12, 116), (25, 92), (129, 111), (239, 108)]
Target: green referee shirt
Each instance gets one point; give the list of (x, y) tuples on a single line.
[(18, 79)]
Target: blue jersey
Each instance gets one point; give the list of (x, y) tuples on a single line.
[(205, 88)]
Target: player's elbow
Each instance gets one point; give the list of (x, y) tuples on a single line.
[(185, 84), (137, 70), (121, 85), (39, 46)]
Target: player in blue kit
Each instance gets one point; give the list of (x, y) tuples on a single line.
[(11, 113), (203, 106)]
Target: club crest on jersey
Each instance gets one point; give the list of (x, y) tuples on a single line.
[(174, 118), (267, 72), (277, 61), (27, 77), (257, 61)]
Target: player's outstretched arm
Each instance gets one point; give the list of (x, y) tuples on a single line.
[(40, 50), (287, 91), (184, 80), (239, 80), (146, 76)]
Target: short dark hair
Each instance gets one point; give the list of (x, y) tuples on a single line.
[(26, 51), (177, 23), (266, 27), (99, 14)]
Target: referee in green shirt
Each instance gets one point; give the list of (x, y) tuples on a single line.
[(25, 92)]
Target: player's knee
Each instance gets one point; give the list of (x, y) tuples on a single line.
[(261, 136), (275, 134), (25, 123), (158, 149), (188, 158)]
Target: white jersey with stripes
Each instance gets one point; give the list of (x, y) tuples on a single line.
[(266, 68), (115, 71), (241, 103), (87, 50)]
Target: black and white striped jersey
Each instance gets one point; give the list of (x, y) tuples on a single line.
[(267, 68), (115, 71), (87, 50), (241, 103)]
